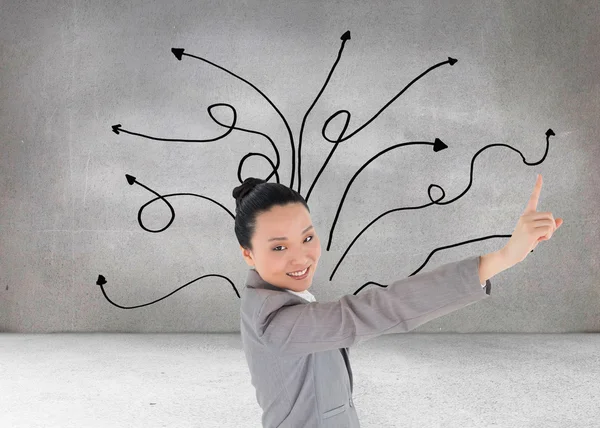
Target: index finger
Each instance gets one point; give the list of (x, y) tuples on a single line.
[(535, 196)]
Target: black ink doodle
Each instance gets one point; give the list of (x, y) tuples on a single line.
[(437, 146)]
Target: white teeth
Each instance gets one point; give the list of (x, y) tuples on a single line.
[(298, 274)]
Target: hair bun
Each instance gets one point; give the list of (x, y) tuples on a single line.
[(246, 187)]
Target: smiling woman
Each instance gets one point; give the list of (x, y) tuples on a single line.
[(276, 234), (297, 349)]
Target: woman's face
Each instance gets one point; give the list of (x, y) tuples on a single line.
[(299, 248)]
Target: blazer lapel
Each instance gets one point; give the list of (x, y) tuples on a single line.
[(254, 280), (345, 353)]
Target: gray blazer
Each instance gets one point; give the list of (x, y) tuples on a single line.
[(298, 351)]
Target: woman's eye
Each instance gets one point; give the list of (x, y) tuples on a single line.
[(309, 236)]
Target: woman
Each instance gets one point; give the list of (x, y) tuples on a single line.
[(297, 349)]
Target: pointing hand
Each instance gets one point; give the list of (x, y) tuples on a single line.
[(532, 228)]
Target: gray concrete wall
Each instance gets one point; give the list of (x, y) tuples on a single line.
[(69, 229)]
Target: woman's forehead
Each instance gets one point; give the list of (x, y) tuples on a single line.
[(282, 221)]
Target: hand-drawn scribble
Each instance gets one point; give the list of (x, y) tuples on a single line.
[(437, 146)]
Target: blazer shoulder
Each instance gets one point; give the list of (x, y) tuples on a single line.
[(261, 302)]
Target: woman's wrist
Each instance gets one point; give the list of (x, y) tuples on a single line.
[(491, 264)]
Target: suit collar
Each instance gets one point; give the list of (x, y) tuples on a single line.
[(254, 280)]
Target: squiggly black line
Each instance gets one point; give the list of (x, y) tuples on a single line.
[(437, 146)]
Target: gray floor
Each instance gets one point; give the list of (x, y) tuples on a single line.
[(198, 380)]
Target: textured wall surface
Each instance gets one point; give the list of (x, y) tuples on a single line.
[(107, 107)]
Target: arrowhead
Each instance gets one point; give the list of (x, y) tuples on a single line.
[(549, 132), (130, 178), (452, 61), (115, 128), (346, 35), (439, 145), (101, 280), (177, 52)]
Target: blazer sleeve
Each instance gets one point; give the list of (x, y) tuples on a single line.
[(400, 307)]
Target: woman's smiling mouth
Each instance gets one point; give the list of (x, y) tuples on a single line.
[(300, 276)]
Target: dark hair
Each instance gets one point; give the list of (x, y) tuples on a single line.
[(255, 196)]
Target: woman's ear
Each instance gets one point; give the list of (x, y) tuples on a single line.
[(247, 255)]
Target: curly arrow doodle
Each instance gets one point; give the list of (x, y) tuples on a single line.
[(101, 281), (437, 145), (450, 61)]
